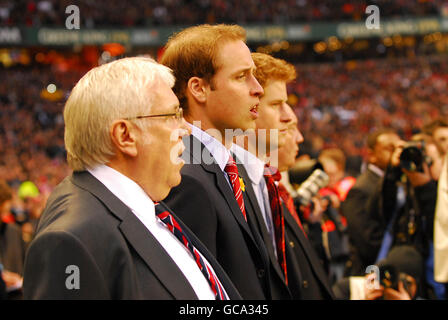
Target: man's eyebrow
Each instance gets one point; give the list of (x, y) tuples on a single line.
[(246, 69)]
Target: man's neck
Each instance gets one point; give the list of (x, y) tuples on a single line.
[(249, 143)]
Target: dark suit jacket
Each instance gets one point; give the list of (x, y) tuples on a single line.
[(306, 275), (365, 225), (12, 248), (303, 266), (276, 278), (206, 203), (85, 225)]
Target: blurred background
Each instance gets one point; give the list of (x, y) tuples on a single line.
[(351, 79)]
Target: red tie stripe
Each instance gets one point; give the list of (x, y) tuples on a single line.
[(205, 268), (271, 175), (289, 201), (232, 170)]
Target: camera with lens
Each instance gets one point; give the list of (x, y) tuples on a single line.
[(311, 186), (389, 276), (413, 156)]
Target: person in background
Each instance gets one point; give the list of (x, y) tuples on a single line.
[(12, 247), (404, 263), (334, 224), (409, 193), (365, 221)]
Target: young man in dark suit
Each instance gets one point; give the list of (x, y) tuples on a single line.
[(259, 154), (220, 95), (105, 234)]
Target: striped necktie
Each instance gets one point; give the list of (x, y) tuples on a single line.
[(164, 215), (289, 202), (232, 170), (271, 174)]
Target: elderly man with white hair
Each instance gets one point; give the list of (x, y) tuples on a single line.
[(105, 234)]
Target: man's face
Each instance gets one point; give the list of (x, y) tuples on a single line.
[(384, 147), (437, 160), (233, 94), (440, 136), (273, 116), (333, 170), (288, 152), (160, 145)]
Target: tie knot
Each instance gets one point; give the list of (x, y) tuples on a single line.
[(272, 172), (231, 166)]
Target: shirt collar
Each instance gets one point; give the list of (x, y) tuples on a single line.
[(125, 189), (253, 165), (378, 171), (215, 147)]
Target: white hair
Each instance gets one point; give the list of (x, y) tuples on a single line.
[(116, 90)]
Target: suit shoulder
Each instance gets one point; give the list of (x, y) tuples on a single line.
[(75, 210)]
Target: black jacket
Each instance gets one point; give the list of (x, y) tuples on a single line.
[(86, 226), (206, 203)]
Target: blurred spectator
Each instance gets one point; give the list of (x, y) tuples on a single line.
[(409, 198), (438, 129), (334, 224), (188, 12), (404, 265), (12, 248), (365, 221)]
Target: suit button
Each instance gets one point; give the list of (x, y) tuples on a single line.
[(305, 284), (260, 273), (291, 244)]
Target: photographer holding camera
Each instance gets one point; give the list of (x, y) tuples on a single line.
[(395, 278), (408, 197), (366, 223)]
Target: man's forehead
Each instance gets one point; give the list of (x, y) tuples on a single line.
[(223, 59)]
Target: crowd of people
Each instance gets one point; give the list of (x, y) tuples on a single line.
[(353, 223), (187, 12), (344, 99)]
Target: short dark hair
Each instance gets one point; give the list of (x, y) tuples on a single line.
[(372, 138), (429, 128)]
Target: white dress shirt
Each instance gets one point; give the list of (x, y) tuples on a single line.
[(133, 196), (218, 151), (255, 169), (215, 147)]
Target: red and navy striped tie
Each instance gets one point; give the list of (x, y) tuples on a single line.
[(271, 174), (232, 170), (207, 270)]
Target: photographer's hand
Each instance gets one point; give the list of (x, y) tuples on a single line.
[(317, 211), (395, 157), (373, 289), (418, 178), (392, 294)]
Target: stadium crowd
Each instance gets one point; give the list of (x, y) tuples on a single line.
[(134, 13), (331, 100), (337, 100)]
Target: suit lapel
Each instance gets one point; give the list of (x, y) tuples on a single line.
[(198, 153), (250, 193), (147, 247)]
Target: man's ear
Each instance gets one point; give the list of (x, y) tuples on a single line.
[(123, 135), (196, 88), (371, 156)]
